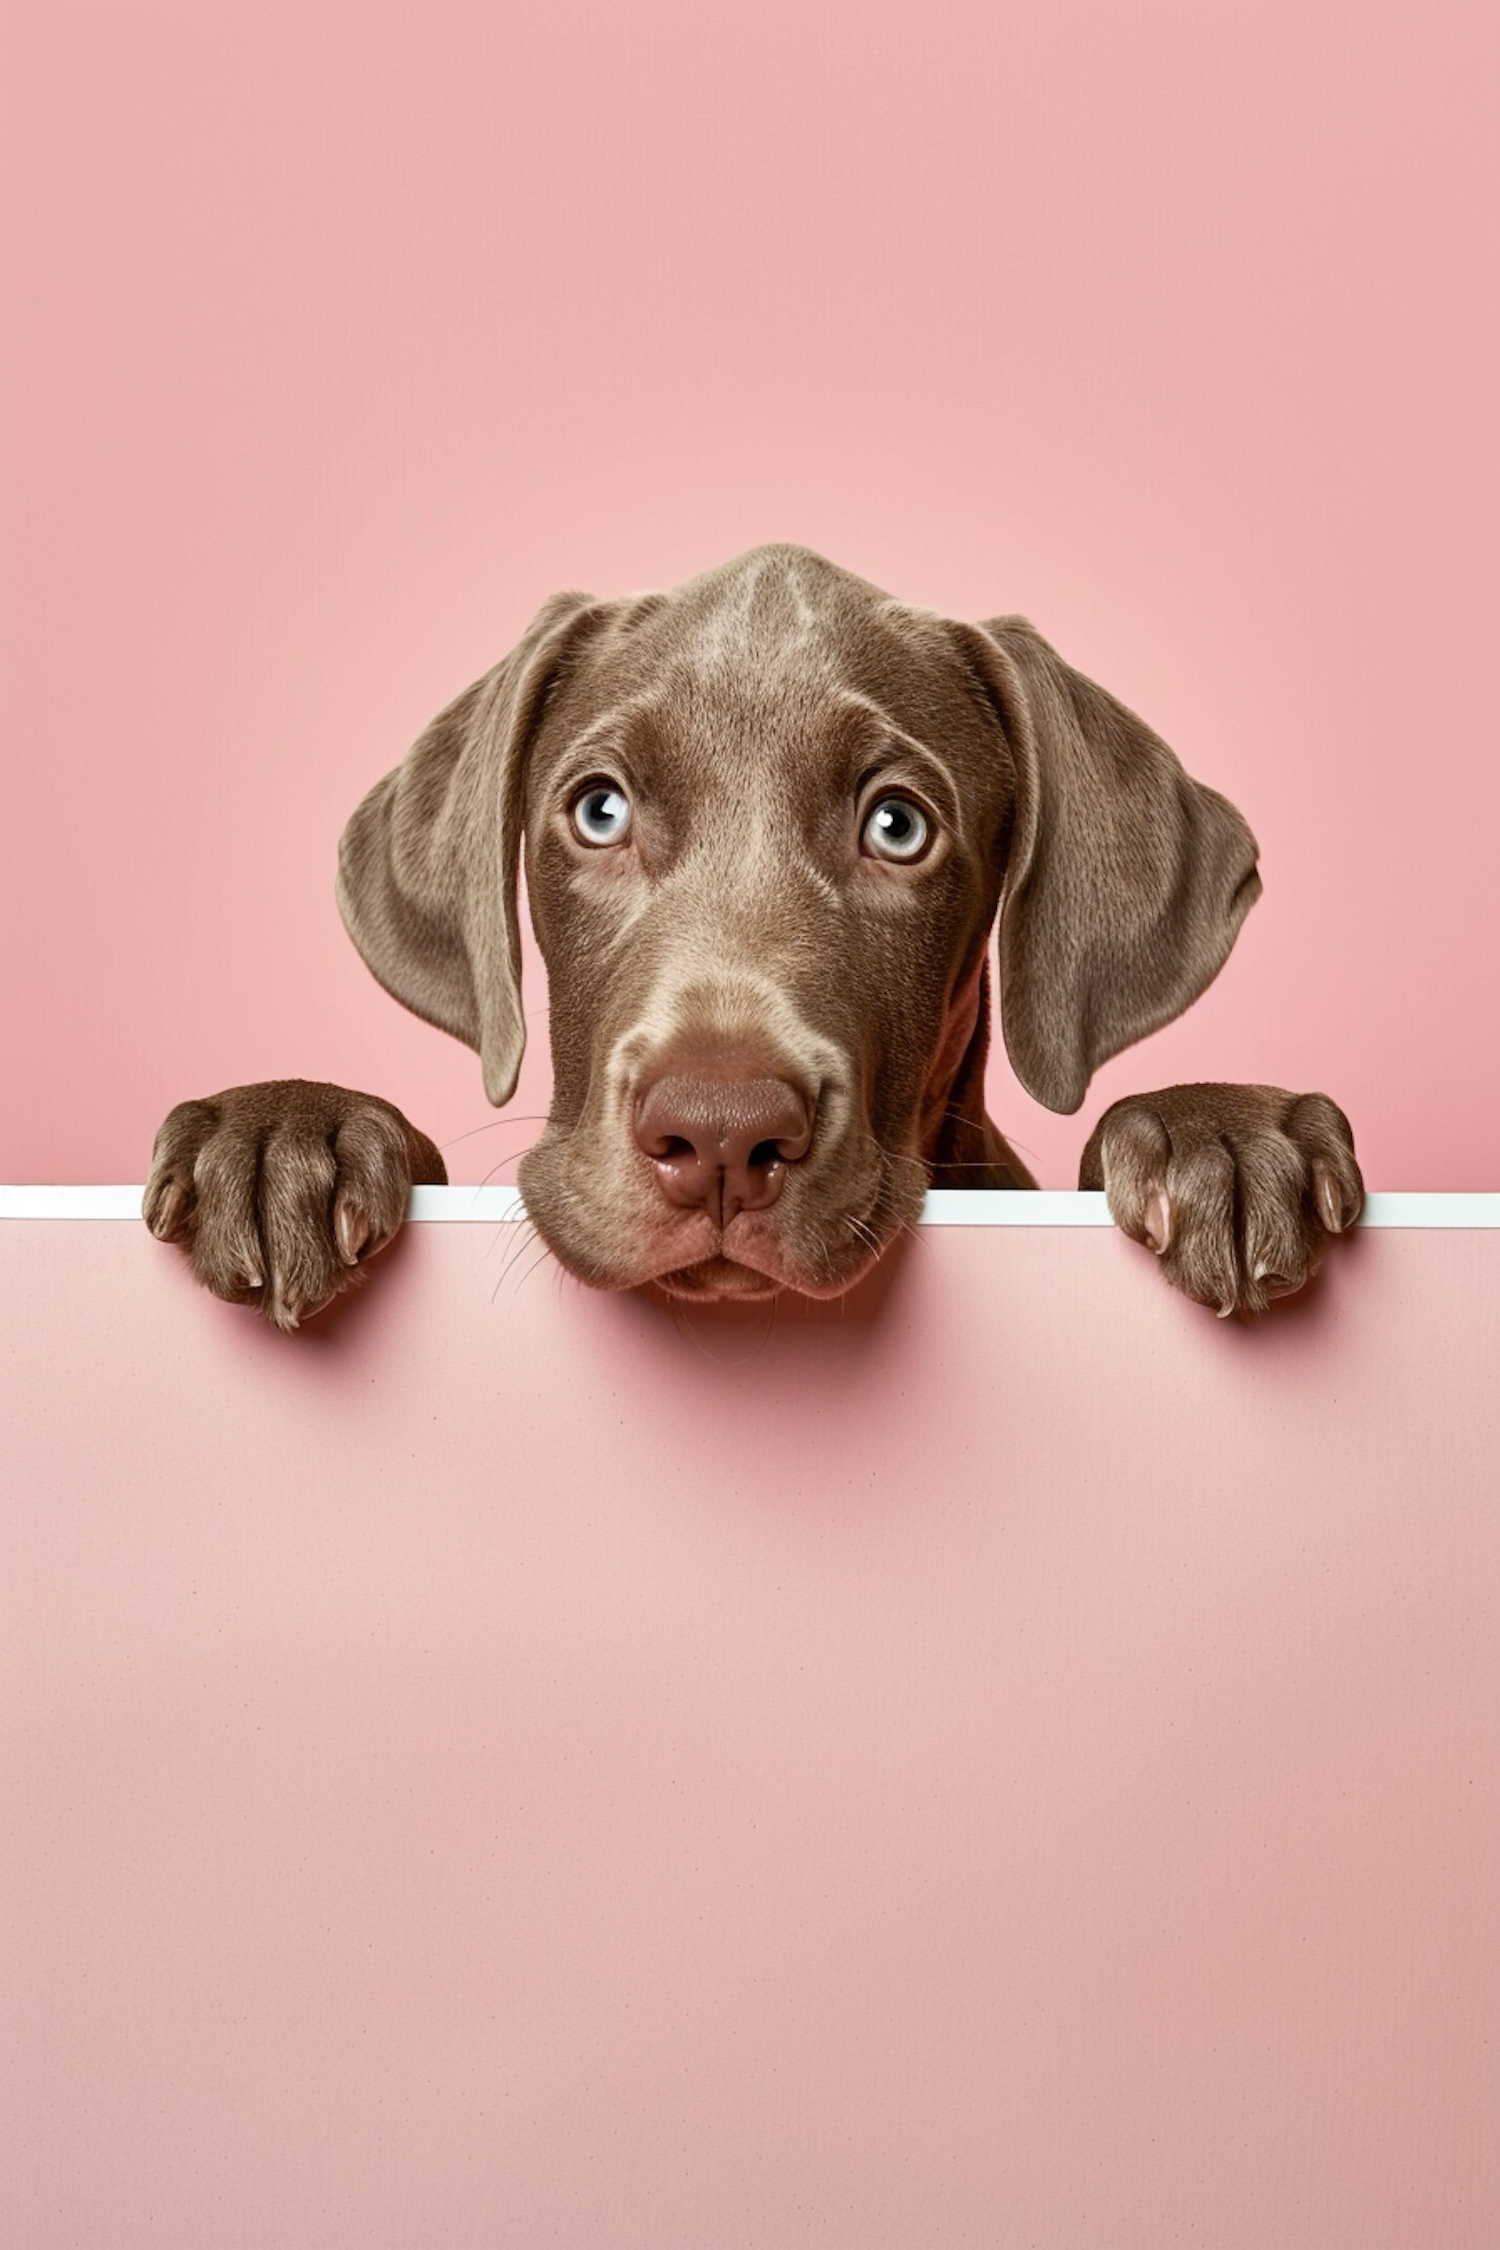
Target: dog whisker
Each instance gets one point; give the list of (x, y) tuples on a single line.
[(975, 1125), (526, 1234), (492, 1126), (863, 1232), (509, 1228), (513, 1157), (540, 1260), (685, 1326), (521, 1225)]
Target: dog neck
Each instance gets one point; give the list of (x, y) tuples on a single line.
[(961, 1143)]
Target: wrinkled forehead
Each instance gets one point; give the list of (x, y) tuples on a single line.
[(777, 663)]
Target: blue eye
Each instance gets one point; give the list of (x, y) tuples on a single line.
[(601, 813), (897, 830)]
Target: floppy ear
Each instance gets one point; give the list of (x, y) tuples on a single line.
[(427, 865), (1126, 881)]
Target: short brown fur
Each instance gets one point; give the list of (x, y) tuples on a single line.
[(743, 933)]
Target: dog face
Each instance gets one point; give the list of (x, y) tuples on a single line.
[(762, 865), (767, 822)]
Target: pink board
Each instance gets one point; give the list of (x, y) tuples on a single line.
[(1011, 1764)]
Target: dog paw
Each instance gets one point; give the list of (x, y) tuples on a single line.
[(1236, 1188), (281, 1193)]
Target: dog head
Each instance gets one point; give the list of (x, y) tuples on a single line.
[(768, 821)]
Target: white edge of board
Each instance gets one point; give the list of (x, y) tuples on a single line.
[(945, 1207)]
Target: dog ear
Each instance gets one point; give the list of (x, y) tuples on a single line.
[(428, 863), (1125, 883)]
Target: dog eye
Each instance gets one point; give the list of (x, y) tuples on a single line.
[(896, 829), (601, 813)]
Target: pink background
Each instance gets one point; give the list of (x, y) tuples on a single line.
[(500, 1769), (347, 334), (1013, 1758)]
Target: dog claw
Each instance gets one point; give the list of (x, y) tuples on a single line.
[(352, 1231), (166, 1220), (1329, 1201)]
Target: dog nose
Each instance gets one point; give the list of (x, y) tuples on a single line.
[(723, 1143)]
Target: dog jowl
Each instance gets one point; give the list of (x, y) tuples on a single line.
[(769, 822)]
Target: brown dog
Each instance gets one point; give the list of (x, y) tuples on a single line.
[(768, 822)]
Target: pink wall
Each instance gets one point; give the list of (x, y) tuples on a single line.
[(500, 1769), (349, 333), (1013, 1757)]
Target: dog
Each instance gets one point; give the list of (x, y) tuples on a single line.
[(768, 821)]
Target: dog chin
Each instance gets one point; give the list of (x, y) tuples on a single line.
[(721, 1280), (753, 1265), (717, 1281)]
